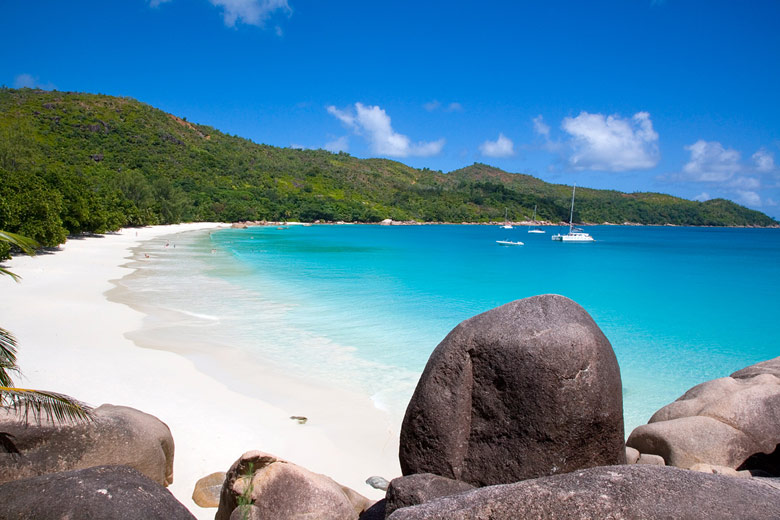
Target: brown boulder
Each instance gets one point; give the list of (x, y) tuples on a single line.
[(732, 422), (208, 490), (118, 436), (97, 493), (420, 488), (612, 492), (282, 490), (527, 389)]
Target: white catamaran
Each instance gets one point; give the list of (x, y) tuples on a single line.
[(574, 234)]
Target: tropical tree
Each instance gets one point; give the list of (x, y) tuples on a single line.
[(25, 402)]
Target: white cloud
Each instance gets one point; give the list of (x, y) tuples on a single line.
[(764, 161), (343, 116), (701, 197), (710, 162), (746, 183), (251, 12), (374, 123), (540, 127), (431, 105), (340, 144), (157, 3), (611, 143), (501, 147), (748, 198), (454, 107)]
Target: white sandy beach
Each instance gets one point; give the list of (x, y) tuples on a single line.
[(72, 339)]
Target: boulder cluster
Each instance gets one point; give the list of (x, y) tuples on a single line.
[(518, 414)]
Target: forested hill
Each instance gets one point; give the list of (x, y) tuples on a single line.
[(72, 162)]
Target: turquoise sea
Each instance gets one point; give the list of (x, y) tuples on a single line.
[(362, 307)]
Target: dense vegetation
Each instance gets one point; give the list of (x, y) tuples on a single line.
[(72, 162)]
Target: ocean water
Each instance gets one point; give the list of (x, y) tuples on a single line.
[(362, 307)]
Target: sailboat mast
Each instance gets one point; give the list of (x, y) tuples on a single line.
[(571, 215)]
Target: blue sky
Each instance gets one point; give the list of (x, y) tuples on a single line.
[(675, 96)]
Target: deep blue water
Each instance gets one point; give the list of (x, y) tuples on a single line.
[(364, 306)]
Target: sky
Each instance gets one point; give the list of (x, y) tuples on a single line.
[(671, 96)]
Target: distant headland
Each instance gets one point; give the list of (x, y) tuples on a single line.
[(75, 163)]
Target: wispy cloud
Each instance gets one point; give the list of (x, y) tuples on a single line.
[(540, 127), (611, 143), (722, 169), (340, 144), (374, 123), (711, 162), (501, 147), (436, 105), (30, 81), (250, 12), (764, 161)]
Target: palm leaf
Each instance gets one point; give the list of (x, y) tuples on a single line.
[(28, 245), (37, 404), (7, 357)]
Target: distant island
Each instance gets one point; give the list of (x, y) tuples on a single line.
[(73, 163)]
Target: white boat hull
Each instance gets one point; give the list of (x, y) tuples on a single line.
[(573, 237), (508, 243)]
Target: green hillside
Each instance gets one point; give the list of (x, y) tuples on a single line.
[(72, 162)]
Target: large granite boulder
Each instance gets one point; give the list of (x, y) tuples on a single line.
[(610, 492), (420, 488), (97, 493), (732, 421), (282, 490), (528, 389), (118, 436)]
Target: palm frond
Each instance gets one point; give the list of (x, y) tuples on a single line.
[(28, 245), (7, 357), (6, 272), (37, 404)]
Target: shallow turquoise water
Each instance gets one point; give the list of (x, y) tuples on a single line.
[(363, 306)]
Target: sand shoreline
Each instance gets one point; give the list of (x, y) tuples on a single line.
[(74, 332)]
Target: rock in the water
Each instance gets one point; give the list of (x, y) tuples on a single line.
[(118, 436), (97, 493), (420, 488), (282, 490), (378, 482), (208, 489), (527, 389), (732, 422), (612, 492)]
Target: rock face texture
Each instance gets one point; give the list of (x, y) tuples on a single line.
[(282, 490), (97, 493), (528, 389), (732, 421), (420, 488), (611, 492), (118, 436)]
